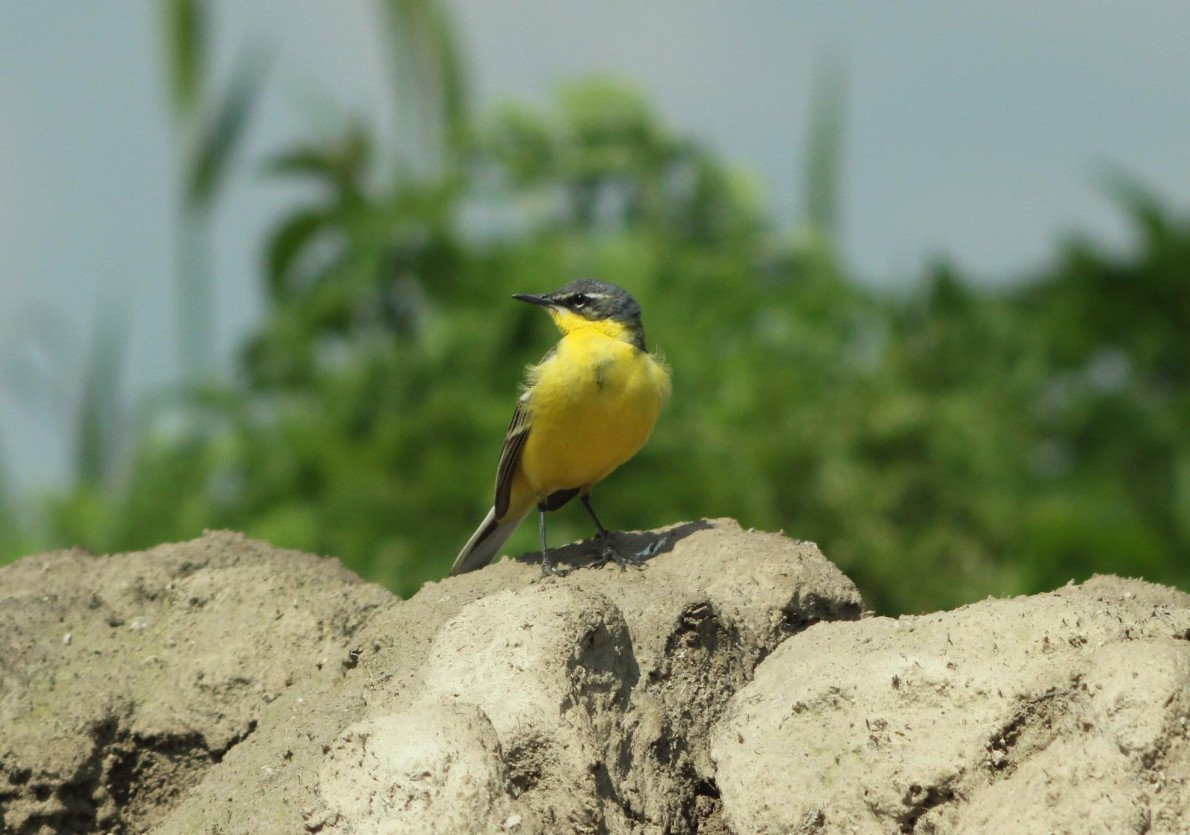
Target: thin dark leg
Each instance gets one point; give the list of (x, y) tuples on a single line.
[(608, 553), (545, 557), (586, 500), (547, 567)]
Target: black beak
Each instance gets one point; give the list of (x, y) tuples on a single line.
[(544, 301)]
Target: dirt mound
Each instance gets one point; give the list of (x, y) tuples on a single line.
[(224, 686), (1063, 712), (125, 679)]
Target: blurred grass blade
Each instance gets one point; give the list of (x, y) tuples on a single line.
[(100, 406), (184, 22), (824, 153), (219, 137), (210, 149), (451, 71), (428, 77), (7, 506), (11, 533)]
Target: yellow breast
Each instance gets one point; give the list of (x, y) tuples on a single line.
[(593, 404)]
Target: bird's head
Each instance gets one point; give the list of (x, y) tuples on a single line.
[(590, 303)]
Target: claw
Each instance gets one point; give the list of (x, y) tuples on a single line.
[(609, 553)]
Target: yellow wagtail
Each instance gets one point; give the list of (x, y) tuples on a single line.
[(588, 407)]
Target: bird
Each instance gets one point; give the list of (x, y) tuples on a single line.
[(586, 408)]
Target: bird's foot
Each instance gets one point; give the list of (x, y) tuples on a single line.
[(548, 569), (609, 553)]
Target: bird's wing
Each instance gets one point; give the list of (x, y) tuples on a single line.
[(514, 442)]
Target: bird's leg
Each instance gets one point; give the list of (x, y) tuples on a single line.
[(608, 553), (547, 567), (586, 500)]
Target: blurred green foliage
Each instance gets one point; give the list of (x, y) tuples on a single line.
[(940, 446)]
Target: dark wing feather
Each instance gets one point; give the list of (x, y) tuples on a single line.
[(514, 442)]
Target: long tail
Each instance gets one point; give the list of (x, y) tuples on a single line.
[(486, 542)]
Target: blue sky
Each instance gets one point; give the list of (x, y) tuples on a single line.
[(976, 131)]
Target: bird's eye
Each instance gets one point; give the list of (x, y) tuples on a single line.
[(579, 301)]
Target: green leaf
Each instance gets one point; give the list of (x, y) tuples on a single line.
[(341, 163), (287, 243)]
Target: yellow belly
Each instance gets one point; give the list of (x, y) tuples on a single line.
[(592, 407)]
